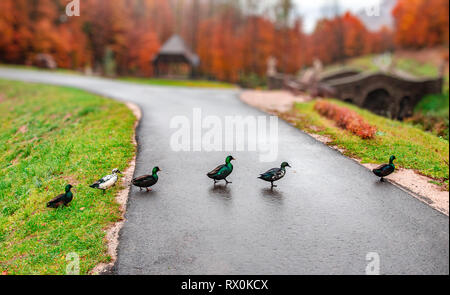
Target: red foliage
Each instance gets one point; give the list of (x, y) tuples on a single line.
[(346, 119), (231, 44), (421, 23), (231, 40)]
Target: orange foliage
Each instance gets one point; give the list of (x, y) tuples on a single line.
[(421, 23), (231, 43), (229, 49), (344, 37), (41, 26), (346, 119)]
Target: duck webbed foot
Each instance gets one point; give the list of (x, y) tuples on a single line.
[(227, 181), (148, 189)]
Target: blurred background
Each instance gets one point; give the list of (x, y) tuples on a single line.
[(368, 78), (233, 39), (258, 44)]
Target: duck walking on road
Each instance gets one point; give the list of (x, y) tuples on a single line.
[(62, 199), (146, 181), (385, 169), (223, 171), (274, 174), (107, 181)]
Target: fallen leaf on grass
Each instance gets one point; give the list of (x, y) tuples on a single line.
[(23, 129)]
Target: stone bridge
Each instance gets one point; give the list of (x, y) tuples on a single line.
[(381, 93)]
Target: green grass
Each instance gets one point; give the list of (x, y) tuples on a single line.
[(434, 105), (416, 68), (33, 68), (413, 147), (363, 63), (51, 136), (178, 83), (432, 114), (421, 70), (147, 81)]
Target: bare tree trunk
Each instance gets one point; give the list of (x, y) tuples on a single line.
[(179, 15), (195, 20)]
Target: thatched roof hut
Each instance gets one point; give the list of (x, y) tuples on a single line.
[(175, 59)]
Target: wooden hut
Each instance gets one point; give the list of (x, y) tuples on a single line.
[(175, 60)]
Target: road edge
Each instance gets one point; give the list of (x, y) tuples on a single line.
[(113, 231), (324, 140)]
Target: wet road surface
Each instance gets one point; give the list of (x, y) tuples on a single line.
[(325, 216)]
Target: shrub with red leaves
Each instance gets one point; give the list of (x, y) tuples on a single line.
[(346, 119)]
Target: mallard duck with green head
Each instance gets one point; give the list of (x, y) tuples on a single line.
[(223, 171), (62, 199), (385, 169), (146, 181), (274, 174), (107, 181)]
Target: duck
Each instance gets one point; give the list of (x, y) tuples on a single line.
[(385, 169), (62, 199), (275, 174), (222, 171), (146, 181), (107, 181)]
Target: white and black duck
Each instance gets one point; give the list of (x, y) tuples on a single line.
[(223, 171), (274, 174), (385, 169), (107, 181), (146, 181), (62, 199)]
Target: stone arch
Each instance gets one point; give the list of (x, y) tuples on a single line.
[(405, 108), (349, 100), (378, 101)]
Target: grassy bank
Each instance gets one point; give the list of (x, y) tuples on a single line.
[(432, 114), (49, 137), (363, 63), (146, 81), (178, 83), (413, 147), (34, 68)]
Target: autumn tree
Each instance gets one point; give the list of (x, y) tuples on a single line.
[(421, 23), (233, 38)]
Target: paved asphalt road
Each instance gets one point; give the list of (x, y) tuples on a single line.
[(325, 216)]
